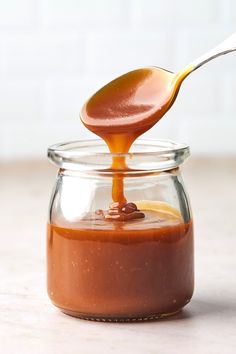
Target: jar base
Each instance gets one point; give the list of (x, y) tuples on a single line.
[(119, 319)]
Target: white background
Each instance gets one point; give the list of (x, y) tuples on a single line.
[(55, 53)]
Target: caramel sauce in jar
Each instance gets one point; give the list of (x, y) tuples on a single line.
[(118, 271), (123, 263)]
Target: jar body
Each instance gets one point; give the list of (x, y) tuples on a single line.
[(119, 271)]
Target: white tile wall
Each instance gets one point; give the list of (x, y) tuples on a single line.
[(87, 14), (117, 52), (55, 53), (171, 12), (17, 14), (42, 55), (20, 102)]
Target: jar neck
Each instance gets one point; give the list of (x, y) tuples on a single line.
[(145, 156)]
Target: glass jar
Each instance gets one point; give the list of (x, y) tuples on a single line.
[(108, 270)]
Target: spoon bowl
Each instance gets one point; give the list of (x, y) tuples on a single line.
[(137, 100)]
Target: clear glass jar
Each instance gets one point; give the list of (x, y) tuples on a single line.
[(119, 270)]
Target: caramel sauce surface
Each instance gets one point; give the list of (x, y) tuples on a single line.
[(119, 270)]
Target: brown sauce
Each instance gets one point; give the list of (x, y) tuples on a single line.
[(132, 264), (121, 270)]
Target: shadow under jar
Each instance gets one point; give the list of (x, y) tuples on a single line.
[(107, 270)]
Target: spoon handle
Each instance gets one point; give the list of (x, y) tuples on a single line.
[(227, 46)]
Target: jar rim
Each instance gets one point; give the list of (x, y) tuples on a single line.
[(93, 154)]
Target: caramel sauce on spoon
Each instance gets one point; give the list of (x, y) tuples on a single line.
[(131, 104), (123, 110)]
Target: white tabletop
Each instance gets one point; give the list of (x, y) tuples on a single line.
[(30, 324)]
